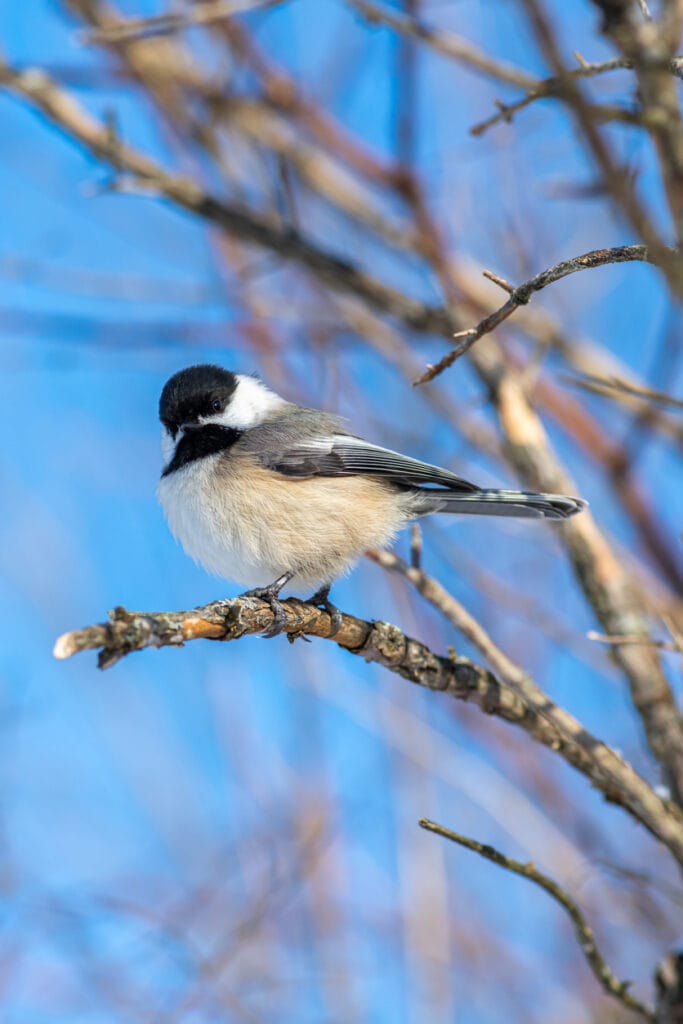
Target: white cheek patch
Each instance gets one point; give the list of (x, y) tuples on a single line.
[(252, 403), (167, 446)]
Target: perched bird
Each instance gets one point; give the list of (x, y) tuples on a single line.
[(267, 493)]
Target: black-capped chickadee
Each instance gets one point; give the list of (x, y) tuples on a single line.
[(258, 489)]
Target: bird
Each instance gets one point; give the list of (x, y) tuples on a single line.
[(271, 494)]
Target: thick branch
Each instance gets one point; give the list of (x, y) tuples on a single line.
[(386, 645), (584, 933)]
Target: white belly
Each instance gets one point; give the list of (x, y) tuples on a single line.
[(254, 526), (213, 533)]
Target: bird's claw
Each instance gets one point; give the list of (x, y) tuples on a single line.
[(321, 599), (270, 595)]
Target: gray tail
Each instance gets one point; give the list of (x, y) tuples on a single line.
[(519, 504)]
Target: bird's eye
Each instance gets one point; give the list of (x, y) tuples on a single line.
[(216, 405)]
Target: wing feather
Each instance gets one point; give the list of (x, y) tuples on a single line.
[(346, 455)]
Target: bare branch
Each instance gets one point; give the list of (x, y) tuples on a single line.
[(555, 88), (634, 638), (617, 388), (165, 24), (446, 43), (584, 933), (386, 645), (521, 295)]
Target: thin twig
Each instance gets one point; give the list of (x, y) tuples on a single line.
[(618, 639), (555, 88), (607, 979), (616, 387), (520, 295)]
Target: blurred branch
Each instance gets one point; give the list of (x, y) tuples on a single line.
[(584, 934), (634, 638), (521, 294), (446, 43), (237, 220), (669, 981), (164, 24), (617, 388), (255, 120), (386, 645)]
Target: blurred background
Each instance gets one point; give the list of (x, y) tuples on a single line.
[(229, 832)]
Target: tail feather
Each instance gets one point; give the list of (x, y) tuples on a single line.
[(517, 504)]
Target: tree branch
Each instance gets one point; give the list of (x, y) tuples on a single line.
[(554, 88), (520, 296), (165, 24), (447, 43), (600, 573), (386, 645), (584, 933), (617, 388)]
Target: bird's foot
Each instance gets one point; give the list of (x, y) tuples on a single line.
[(321, 599), (270, 595)]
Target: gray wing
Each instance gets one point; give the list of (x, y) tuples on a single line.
[(316, 445)]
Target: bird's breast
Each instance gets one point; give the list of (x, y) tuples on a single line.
[(250, 524)]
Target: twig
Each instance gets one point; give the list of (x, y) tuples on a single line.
[(387, 645), (165, 24), (607, 979), (616, 387), (555, 87), (634, 638), (520, 295)]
